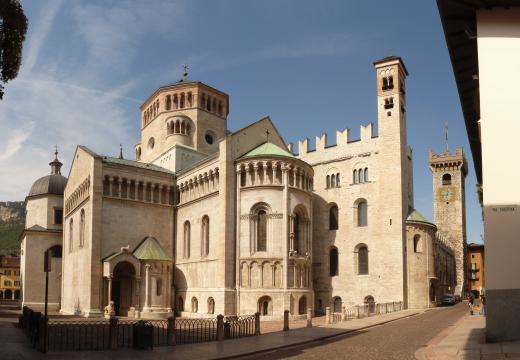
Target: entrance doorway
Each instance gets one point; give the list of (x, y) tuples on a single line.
[(123, 288), (265, 306)]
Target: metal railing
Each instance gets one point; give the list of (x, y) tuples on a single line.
[(103, 334), (362, 311)]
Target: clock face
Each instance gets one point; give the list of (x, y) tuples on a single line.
[(446, 194)]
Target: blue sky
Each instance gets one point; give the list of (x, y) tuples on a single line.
[(88, 65)]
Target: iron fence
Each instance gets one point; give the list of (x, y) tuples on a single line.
[(240, 326), (195, 330), (102, 334), (361, 311)]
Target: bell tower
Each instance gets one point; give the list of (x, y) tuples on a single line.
[(449, 172), (182, 123)]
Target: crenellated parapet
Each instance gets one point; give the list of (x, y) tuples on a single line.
[(448, 161), (343, 143)]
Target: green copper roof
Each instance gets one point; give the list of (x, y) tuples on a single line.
[(268, 148), (150, 249), (414, 215)]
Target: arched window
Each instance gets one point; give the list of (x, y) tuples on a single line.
[(337, 180), (302, 305), (333, 180), (362, 259), (182, 101), (190, 99), (211, 305), (180, 303), (328, 181), (333, 217), (205, 236), (194, 305), (446, 179), (336, 304), (390, 82), (385, 83), (71, 234), (362, 218), (417, 244), (366, 175), (208, 103), (354, 177), (175, 101), (203, 101), (265, 306), (82, 228), (187, 235), (261, 231), (360, 176), (214, 104), (168, 102), (333, 262)]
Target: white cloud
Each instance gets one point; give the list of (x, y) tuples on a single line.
[(68, 103)]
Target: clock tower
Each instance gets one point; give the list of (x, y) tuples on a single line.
[(449, 172)]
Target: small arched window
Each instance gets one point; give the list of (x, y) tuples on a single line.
[(333, 180), (354, 177), (362, 216), (211, 305), (337, 180), (417, 244), (71, 234), (446, 179), (205, 236), (168, 102), (333, 262), (360, 176), (333, 217), (366, 175), (194, 305), (82, 228), (181, 104), (187, 235), (362, 260), (261, 231), (328, 181)]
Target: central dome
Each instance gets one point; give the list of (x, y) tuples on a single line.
[(50, 184)]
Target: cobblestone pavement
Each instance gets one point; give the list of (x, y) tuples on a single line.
[(396, 340)]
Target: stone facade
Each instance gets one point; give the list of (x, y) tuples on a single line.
[(449, 174), (209, 221)]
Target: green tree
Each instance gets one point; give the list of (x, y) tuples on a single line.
[(13, 27)]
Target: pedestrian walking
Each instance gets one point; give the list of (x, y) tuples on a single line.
[(482, 305), (470, 304)]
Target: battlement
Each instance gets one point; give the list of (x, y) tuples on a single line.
[(447, 160), (444, 242), (343, 139)]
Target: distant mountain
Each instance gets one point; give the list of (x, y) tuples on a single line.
[(12, 222)]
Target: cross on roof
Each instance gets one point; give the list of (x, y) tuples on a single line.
[(186, 68)]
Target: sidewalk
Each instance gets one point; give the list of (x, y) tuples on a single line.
[(466, 340), (18, 347)]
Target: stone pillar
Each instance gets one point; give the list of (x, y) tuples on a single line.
[(309, 317), (119, 188), (136, 189), (256, 177), (264, 168), (286, 320), (111, 185), (257, 323), (147, 284), (160, 187), (138, 293), (152, 190)]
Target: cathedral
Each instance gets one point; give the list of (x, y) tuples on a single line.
[(210, 221)]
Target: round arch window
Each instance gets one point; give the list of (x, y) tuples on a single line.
[(151, 143), (209, 138)]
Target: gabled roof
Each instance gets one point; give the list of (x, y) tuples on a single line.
[(150, 249), (268, 148)]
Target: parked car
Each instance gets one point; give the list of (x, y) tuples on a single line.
[(448, 299)]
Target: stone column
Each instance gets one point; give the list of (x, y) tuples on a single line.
[(256, 178), (111, 185), (138, 293), (264, 168), (147, 284), (119, 187), (152, 190), (136, 189), (109, 278), (160, 187)]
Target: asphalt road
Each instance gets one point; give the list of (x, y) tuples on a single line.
[(396, 340)]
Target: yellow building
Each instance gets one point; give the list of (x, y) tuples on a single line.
[(9, 277)]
